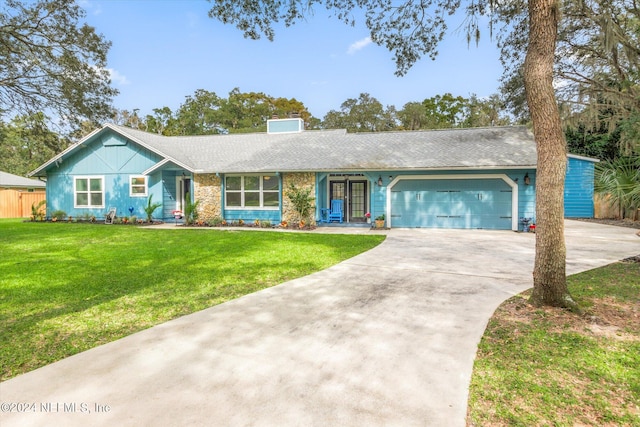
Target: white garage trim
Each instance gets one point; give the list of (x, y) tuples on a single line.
[(505, 178)]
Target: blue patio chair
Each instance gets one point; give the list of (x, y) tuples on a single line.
[(324, 215), (335, 214)]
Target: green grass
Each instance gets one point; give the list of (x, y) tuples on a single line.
[(65, 288), (548, 367)]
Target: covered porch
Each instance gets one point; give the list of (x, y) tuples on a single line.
[(346, 199)]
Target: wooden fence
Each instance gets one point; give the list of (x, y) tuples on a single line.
[(17, 204)]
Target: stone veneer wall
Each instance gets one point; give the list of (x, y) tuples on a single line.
[(208, 189), (300, 180)]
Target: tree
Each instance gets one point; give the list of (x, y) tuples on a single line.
[(246, 112), (364, 114), (413, 29), (161, 122), (549, 274), (444, 111), (200, 114), (26, 143), (413, 116), (50, 62), (283, 107), (485, 112), (597, 64), (205, 113), (599, 58)]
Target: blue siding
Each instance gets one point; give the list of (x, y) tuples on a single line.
[(379, 197), (497, 201), (169, 194), (249, 215), (578, 188), (114, 158)]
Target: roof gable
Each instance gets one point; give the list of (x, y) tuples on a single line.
[(108, 136)]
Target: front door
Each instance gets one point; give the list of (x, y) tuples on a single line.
[(357, 201), (183, 187), (353, 193)]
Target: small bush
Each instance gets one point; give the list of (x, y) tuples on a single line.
[(37, 211), (59, 215), (302, 201)]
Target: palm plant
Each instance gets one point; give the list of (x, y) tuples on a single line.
[(190, 210), (150, 208), (619, 179), (37, 213)]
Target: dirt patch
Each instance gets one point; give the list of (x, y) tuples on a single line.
[(617, 222), (605, 318)]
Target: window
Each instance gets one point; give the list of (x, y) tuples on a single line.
[(138, 186), (252, 191), (88, 192)]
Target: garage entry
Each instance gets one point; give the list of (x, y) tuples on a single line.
[(437, 202)]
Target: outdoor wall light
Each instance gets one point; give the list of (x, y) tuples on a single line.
[(380, 181), (527, 180)]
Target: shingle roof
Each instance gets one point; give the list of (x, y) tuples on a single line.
[(11, 180), (337, 150)]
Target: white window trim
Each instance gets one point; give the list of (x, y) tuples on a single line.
[(242, 193), (88, 177), (146, 186)]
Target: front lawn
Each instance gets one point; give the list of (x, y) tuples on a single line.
[(65, 288), (550, 367)]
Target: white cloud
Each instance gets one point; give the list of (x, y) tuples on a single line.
[(118, 78), (93, 7), (359, 45)]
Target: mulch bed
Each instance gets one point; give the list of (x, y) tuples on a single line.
[(617, 222)]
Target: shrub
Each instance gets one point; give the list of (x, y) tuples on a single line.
[(190, 210), (301, 200), (150, 208), (37, 211), (59, 215)]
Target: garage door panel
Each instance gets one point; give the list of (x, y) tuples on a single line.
[(450, 203)]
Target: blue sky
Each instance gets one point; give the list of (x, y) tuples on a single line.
[(164, 50)]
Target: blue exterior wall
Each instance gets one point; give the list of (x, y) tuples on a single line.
[(578, 188), (110, 156), (378, 194)]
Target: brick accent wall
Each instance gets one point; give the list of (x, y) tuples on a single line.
[(300, 180), (208, 189)]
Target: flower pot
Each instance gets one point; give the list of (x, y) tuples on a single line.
[(379, 223)]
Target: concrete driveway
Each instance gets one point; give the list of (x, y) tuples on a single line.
[(385, 338)]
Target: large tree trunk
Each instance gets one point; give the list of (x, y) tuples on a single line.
[(549, 274)]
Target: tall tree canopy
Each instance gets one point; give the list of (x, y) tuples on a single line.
[(597, 64), (412, 29), (205, 113), (26, 142), (50, 62), (364, 114)]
